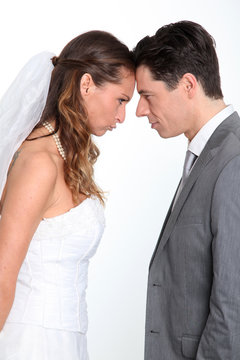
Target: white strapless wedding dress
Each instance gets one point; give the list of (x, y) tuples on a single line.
[(48, 319)]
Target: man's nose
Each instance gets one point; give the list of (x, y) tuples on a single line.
[(142, 108)]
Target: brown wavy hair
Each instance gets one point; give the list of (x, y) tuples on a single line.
[(103, 56)]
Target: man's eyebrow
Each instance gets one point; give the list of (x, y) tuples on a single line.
[(142, 92)]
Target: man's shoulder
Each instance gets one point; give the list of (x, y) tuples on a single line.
[(227, 134)]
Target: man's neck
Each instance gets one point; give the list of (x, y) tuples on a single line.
[(208, 109)]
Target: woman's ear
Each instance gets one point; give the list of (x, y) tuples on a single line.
[(86, 85)]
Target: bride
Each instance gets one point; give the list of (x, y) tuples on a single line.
[(51, 208)]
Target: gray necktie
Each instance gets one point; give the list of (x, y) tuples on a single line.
[(188, 163)]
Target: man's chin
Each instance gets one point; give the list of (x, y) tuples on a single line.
[(166, 135)]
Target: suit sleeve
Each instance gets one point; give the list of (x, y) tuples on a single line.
[(220, 339)]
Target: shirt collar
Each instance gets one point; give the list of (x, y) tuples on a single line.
[(201, 138)]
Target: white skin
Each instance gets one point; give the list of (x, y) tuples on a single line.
[(35, 187), (106, 104), (183, 110)]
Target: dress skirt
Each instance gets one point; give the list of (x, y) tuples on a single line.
[(30, 342)]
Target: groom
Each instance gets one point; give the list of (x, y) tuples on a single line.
[(193, 302)]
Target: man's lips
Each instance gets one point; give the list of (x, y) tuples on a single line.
[(153, 124)]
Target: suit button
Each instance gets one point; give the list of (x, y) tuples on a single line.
[(154, 332), (155, 284)]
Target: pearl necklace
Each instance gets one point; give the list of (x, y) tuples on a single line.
[(50, 129)]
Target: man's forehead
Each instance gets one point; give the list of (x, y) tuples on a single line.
[(143, 71), (144, 79)]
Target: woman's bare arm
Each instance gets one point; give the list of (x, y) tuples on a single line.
[(29, 193)]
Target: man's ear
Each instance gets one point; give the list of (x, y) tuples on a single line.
[(189, 83), (86, 85)]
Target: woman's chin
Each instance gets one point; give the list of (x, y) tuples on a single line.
[(99, 132)]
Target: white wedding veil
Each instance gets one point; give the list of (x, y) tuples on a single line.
[(21, 108)]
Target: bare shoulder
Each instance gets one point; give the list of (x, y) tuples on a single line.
[(36, 164), (31, 179)]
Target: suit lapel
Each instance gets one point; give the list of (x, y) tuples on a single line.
[(195, 173), (206, 156), (172, 215), (165, 223)]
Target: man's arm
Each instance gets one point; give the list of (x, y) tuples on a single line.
[(220, 339)]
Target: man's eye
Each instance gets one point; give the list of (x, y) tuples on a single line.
[(121, 101)]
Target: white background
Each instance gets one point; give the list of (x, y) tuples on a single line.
[(139, 170)]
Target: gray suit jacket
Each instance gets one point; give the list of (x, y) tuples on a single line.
[(193, 302)]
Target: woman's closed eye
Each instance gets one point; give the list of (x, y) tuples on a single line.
[(121, 101)]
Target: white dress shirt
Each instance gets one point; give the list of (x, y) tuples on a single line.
[(201, 138)]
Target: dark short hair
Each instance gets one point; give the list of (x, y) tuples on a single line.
[(180, 48)]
